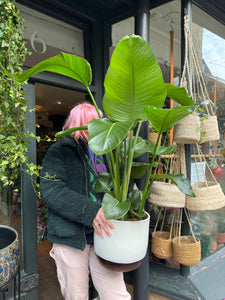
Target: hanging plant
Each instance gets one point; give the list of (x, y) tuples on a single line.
[(13, 135)]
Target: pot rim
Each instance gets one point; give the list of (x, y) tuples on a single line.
[(15, 239), (131, 222)]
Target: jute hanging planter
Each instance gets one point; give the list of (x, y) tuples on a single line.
[(210, 129), (202, 127), (167, 194), (187, 130), (161, 244), (209, 123), (209, 195), (187, 249)]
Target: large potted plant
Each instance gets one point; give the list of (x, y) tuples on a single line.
[(134, 92)]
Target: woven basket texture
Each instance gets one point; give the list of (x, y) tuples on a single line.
[(207, 197), (166, 195), (186, 130), (210, 126), (162, 244), (188, 252)]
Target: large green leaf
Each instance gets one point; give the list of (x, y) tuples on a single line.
[(105, 135), (113, 209), (139, 169), (178, 94), (135, 199), (68, 65), (133, 80), (165, 150), (143, 146), (104, 183), (180, 180), (165, 119)]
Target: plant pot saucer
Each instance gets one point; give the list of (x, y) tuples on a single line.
[(118, 267)]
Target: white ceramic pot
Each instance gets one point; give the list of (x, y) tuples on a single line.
[(127, 244)]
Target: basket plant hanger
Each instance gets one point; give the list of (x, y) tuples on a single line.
[(209, 195), (196, 129), (162, 240), (167, 194), (187, 248)]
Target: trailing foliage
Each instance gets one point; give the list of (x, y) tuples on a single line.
[(13, 137)]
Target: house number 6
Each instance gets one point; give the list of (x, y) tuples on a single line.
[(34, 38)]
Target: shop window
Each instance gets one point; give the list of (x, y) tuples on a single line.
[(209, 42)]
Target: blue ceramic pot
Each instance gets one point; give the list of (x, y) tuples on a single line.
[(9, 254)]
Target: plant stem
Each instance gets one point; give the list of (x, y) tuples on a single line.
[(116, 183), (128, 165), (147, 184), (93, 100), (123, 192), (149, 175), (109, 166), (117, 172)]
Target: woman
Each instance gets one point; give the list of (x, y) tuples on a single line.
[(74, 211)]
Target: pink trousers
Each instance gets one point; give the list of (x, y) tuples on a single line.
[(73, 268)]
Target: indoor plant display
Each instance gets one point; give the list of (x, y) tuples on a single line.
[(221, 230), (134, 92)]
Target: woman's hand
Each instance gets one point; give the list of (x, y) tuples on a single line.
[(100, 223)]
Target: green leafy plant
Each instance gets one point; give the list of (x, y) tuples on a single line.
[(134, 92), (13, 135)]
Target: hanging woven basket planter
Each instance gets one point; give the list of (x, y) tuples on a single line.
[(209, 196), (186, 131), (186, 249), (210, 129), (202, 127), (166, 194), (161, 244)]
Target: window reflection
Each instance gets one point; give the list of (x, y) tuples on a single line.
[(209, 226)]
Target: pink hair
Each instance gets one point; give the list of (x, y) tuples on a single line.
[(81, 115)]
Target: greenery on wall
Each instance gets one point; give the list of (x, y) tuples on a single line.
[(13, 135)]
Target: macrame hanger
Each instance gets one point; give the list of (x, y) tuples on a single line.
[(157, 222), (193, 71)]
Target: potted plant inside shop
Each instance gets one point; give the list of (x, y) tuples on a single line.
[(221, 230), (134, 93)]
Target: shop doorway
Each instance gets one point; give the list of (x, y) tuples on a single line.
[(52, 107)]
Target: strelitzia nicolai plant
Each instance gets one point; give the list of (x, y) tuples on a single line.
[(134, 92)]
